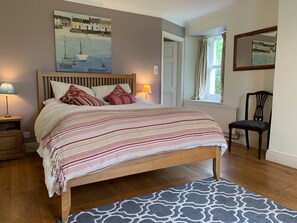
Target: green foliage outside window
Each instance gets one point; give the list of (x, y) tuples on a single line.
[(218, 49), (218, 86)]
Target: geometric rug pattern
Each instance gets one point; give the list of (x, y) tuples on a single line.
[(205, 200)]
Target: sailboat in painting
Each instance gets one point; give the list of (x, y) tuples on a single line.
[(81, 56), (67, 61)]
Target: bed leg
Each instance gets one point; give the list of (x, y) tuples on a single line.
[(216, 165), (65, 204)]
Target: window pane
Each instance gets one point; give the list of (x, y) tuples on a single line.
[(212, 81), (218, 50), (214, 60), (218, 86), (215, 87)]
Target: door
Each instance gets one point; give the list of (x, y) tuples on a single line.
[(169, 74)]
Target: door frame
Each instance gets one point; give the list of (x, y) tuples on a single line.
[(180, 66)]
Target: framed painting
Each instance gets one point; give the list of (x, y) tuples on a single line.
[(82, 43), (263, 52)]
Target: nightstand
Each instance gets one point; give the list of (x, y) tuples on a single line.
[(11, 140)]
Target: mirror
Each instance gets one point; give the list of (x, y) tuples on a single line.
[(255, 50)]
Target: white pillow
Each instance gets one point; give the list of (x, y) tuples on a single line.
[(140, 100), (51, 101), (60, 89), (104, 90)]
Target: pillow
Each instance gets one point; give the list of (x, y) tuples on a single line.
[(76, 96), (51, 101), (102, 91), (140, 100), (119, 97), (60, 89)]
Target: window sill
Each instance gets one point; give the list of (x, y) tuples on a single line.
[(205, 101)]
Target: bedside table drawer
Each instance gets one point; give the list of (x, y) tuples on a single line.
[(11, 144)]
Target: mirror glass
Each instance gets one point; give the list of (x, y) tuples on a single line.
[(255, 50)]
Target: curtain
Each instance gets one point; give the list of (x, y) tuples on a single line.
[(223, 65), (201, 70)]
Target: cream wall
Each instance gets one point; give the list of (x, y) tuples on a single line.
[(237, 83), (191, 47), (283, 148)]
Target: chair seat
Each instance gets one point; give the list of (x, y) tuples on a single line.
[(250, 124)]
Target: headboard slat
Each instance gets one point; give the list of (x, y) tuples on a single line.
[(84, 79)]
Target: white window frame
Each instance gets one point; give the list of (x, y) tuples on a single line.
[(210, 67)]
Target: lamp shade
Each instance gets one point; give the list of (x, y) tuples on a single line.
[(146, 89), (7, 88)]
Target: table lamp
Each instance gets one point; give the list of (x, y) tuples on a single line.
[(146, 88), (7, 88)]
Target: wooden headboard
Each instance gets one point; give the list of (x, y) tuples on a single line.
[(84, 79)]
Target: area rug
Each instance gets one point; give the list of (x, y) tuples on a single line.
[(205, 200)]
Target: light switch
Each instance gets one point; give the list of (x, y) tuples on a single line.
[(156, 69)]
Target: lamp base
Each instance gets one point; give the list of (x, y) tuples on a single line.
[(7, 114)]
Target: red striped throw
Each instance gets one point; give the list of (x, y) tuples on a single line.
[(89, 141)]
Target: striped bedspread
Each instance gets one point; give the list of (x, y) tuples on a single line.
[(88, 141)]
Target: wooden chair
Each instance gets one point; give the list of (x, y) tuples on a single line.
[(257, 124)]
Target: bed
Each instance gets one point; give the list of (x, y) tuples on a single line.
[(134, 165)]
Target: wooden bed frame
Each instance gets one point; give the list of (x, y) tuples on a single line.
[(140, 165)]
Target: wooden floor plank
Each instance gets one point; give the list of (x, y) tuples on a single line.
[(24, 196), (5, 185)]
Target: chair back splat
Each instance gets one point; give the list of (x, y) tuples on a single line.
[(257, 123), (261, 97)]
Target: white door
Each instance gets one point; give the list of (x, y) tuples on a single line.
[(169, 74)]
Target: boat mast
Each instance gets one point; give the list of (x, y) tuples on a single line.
[(80, 47), (64, 47)]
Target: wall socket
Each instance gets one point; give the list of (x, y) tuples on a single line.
[(156, 69), (26, 135)]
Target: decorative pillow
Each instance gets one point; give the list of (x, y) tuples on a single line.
[(60, 89), (76, 96), (119, 97), (102, 91)]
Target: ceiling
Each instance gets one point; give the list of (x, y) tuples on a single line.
[(180, 12)]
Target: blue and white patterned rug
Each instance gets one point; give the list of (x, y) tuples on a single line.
[(201, 201)]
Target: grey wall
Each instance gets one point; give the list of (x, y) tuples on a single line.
[(27, 45)]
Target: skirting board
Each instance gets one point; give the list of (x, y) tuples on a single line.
[(281, 158)]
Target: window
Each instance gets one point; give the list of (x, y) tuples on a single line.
[(214, 65)]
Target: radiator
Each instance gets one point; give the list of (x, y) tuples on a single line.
[(221, 113)]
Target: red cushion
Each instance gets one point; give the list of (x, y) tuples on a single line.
[(119, 97), (76, 96)]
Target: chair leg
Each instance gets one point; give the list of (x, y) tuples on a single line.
[(247, 139), (230, 139), (260, 146)]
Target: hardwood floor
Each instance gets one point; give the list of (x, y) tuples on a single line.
[(24, 196)]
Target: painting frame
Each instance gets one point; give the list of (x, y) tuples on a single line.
[(82, 43)]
